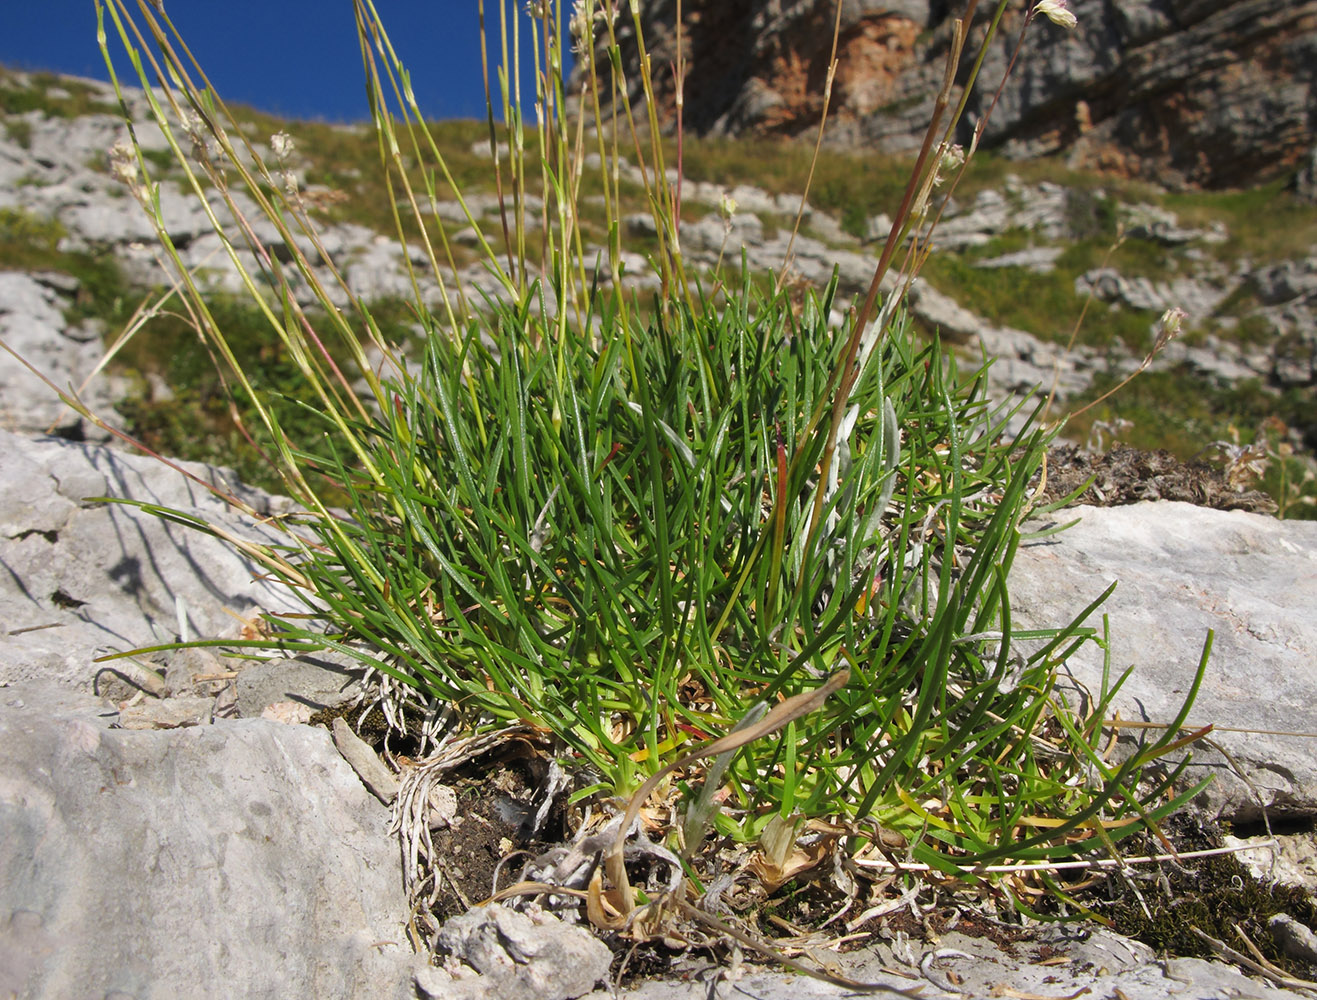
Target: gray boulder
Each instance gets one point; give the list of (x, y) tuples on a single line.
[(81, 578), (1183, 570), (243, 859), (1039, 260), (519, 956), (1198, 298), (32, 324), (1286, 282)]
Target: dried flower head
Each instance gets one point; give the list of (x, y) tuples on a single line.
[(1168, 327), (1245, 465), (281, 145), (726, 206), (949, 159), (123, 163), (194, 127), (1117, 428), (585, 15), (124, 167), (1057, 12)]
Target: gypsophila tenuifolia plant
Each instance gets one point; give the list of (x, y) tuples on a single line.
[(641, 527)]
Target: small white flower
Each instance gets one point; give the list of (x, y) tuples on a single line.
[(585, 15), (1057, 12), (580, 27), (1168, 327), (952, 158), (1171, 320), (281, 144)]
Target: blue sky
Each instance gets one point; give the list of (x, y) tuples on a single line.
[(298, 58)]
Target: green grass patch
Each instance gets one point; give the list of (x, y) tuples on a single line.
[(29, 242), (20, 131), (207, 417), (53, 95), (347, 159), (1008, 242), (1045, 305), (991, 170), (851, 186), (1265, 224)]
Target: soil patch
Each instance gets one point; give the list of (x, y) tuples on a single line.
[(374, 728), (482, 844)]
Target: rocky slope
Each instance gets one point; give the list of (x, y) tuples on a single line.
[(164, 833), (1017, 260), (1217, 93)]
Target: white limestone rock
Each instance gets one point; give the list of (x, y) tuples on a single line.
[(32, 324), (239, 859), (1183, 570), (82, 578)]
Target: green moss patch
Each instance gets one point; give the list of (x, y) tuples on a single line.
[(1169, 907)]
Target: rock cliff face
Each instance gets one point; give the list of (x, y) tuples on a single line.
[(1213, 93)]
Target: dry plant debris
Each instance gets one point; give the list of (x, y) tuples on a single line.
[(1125, 475)]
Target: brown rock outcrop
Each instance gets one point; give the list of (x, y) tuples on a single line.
[(1212, 93)]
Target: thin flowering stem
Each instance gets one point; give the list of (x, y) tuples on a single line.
[(1010, 66), (494, 149), (1168, 327), (845, 374), (1079, 321), (679, 100), (818, 145)]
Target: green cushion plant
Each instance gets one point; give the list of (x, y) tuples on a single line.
[(639, 526)]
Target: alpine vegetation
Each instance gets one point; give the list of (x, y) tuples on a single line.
[(737, 571)]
